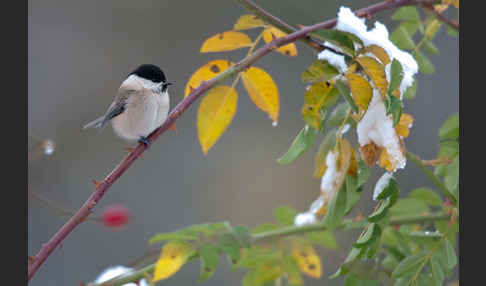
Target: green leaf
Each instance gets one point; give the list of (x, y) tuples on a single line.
[(372, 232), (285, 215), (438, 274), (301, 143), (353, 254), (409, 206), (336, 210), (242, 235), (427, 196), (451, 31), (209, 260), (353, 193), (344, 90), (380, 213), (451, 178), (320, 70), (430, 47), (402, 38), (339, 114), (161, 237), (338, 38), (354, 280), (425, 65), (450, 129), (406, 13), (396, 76), (411, 91), (450, 255), (388, 190), (395, 108), (368, 272), (324, 238), (409, 265), (229, 245), (363, 173)]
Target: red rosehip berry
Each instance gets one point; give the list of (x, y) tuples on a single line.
[(116, 216)]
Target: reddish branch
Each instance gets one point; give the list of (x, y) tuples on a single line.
[(101, 187)]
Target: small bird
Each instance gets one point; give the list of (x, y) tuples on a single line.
[(140, 107)]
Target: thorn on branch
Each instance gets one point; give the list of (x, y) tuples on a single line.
[(96, 183), (31, 259), (173, 127)]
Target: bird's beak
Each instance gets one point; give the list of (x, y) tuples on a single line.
[(169, 83)]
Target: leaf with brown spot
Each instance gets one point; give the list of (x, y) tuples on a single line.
[(370, 153), (272, 33), (307, 259), (226, 41), (378, 52), (215, 113), (248, 21), (318, 97), (376, 71), (262, 90), (205, 73), (360, 90)]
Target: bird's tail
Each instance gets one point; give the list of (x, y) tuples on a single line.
[(97, 123)]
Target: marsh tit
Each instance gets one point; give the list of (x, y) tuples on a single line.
[(140, 106)]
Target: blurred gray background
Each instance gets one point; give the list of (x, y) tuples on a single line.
[(80, 51)]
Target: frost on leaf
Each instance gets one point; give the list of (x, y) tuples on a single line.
[(376, 130), (349, 22), (381, 184)]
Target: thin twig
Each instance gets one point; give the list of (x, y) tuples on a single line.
[(102, 187)]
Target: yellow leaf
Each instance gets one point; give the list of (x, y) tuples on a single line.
[(307, 259), (272, 33), (376, 71), (226, 41), (215, 113), (262, 91), (205, 73), (174, 254), (379, 52), (353, 167), (403, 126), (317, 96), (248, 21), (432, 29), (360, 89), (343, 160), (385, 161)]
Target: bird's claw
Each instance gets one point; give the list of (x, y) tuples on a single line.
[(145, 141)]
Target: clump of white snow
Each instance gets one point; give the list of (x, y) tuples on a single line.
[(115, 271), (305, 219), (349, 22), (331, 173), (381, 184), (376, 126), (334, 59)]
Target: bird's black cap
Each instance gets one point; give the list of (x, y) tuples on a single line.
[(150, 72)]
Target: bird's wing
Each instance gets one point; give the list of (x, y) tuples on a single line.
[(116, 108)]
